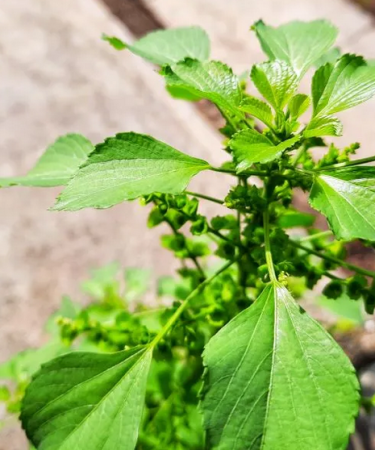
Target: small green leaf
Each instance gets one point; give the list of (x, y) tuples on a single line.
[(298, 105), (211, 80), (276, 81), (249, 147), (275, 379), (126, 167), (347, 83), (116, 43), (87, 401), (300, 44), (292, 218), (168, 46), (57, 165), (346, 197), (258, 109), (137, 283), (323, 126)]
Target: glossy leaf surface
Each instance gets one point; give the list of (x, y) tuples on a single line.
[(275, 379), (126, 167), (347, 197), (300, 44), (87, 401)]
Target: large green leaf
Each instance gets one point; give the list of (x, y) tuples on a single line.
[(57, 165), (168, 46), (87, 401), (249, 147), (211, 80), (347, 197), (276, 81), (126, 167), (275, 379), (300, 44), (347, 83)]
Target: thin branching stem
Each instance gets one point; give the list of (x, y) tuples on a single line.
[(332, 259), (258, 173), (269, 260), (193, 258), (319, 235), (205, 197), (355, 162), (200, 288)]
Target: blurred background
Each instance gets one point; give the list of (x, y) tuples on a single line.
[(58, 76)]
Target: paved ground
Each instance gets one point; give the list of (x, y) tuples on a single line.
[(58, 77)]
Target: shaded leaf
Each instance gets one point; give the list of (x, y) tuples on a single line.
[(346, 197), (276, 81), (249, 147), (126, 167), (300, 44), (284, 384), (168, 46), (87, 401), (211, 80), (57, 165)]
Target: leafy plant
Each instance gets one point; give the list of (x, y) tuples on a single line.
[(234, 346)]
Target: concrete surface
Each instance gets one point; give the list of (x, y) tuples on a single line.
[(58, 77)]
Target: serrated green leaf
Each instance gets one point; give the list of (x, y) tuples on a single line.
[(258, 109), (275, 379), (126, 167), (57, 165), (346, 197), (300, 44), (168, 46), (249, 147), (87, 401), (276, 81), (298, 105), (347, 83), (323, 126), (211, 80), (330, 57)]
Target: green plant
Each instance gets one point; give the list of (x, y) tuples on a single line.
[(273, 378)]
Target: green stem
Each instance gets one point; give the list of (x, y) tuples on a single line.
[(241, 274), (190, 255), (172, 320), (332, 259), (298, 155), (205, 197), (355, 162), (269, 261), (248, 173), (312, 237)]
